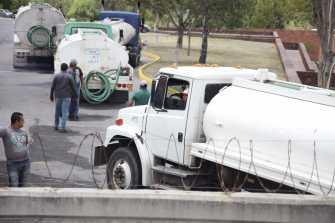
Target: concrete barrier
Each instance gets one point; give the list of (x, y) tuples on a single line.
[(90, 205)]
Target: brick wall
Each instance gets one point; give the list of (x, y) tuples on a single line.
[(309, 38)]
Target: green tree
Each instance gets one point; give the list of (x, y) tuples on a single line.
[(16, 4), (231, 14), (5, 4), (179, 12), (226, 13), (62, 5), (83, 9), (279, 14), (299, 13), (269, 14), (124, 5)]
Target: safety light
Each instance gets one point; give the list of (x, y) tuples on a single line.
[(130, 87), (119, 121)]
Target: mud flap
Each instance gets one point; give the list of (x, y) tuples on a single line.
[(100, 156)]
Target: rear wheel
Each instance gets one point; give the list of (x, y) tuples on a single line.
[(134, 60), (123, 169)]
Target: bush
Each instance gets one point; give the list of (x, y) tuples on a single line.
[(83, 10)]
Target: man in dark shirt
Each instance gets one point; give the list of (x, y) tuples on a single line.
[(16, 143), (62, 88), (77, 75)]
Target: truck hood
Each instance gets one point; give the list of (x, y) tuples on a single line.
[(133, 116)]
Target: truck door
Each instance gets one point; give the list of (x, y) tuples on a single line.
[(167, 118)]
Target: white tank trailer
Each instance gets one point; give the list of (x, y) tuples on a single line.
[(104, 63), (35, 35), (122, 32), (252, 130), (279, 131)]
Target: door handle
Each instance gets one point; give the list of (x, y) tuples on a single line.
[(180, 136)]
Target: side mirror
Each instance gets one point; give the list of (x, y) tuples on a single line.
[(153, 91)]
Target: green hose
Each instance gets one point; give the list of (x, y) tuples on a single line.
[(40, 37), (108, 81)]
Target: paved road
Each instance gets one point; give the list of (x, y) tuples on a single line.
[(28, 92)]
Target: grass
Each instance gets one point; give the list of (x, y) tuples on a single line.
[(224, 52)]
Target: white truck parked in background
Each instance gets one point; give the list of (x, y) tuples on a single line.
[(36, 35), (99, 48), (224, 133)]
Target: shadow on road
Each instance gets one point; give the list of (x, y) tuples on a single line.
[(56, 146), (88, 117), (102, 106)]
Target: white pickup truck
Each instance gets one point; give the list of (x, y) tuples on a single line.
[(202, 129)]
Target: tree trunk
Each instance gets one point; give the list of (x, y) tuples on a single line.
[(204, 45), (180, 37), (324, 12), (157, 20), (326, 58)]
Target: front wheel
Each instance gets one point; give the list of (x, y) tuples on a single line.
[(123, 169)]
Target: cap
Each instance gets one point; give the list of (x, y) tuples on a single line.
[(143, 83), (73, 62)]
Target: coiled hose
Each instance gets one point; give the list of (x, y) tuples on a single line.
[(39, 37), (106, 81)]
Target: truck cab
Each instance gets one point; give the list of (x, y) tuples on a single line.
[(158, 137)]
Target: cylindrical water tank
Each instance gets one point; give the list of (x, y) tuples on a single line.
[(282, 130), (93, 50), (122, 31), (33, 23)]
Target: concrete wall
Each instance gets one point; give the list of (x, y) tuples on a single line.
[(90, 205)]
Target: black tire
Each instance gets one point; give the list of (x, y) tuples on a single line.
[(118, 172), (134, 60)]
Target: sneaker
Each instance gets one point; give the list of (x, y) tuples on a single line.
[(62, 130), (56, 128), (76, 118)]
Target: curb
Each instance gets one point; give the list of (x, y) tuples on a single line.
[(141, 74)]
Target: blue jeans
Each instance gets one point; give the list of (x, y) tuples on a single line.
[(74, 106), (62, 112), (18, 172)]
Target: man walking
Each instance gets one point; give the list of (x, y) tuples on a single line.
[(140, 97), (62, 88), (77, 75), (16, 143)]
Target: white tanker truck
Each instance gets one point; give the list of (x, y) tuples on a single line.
[(99, 49), (224, 133), (35, 35)]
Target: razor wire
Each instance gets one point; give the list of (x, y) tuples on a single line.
[(219, 163)]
